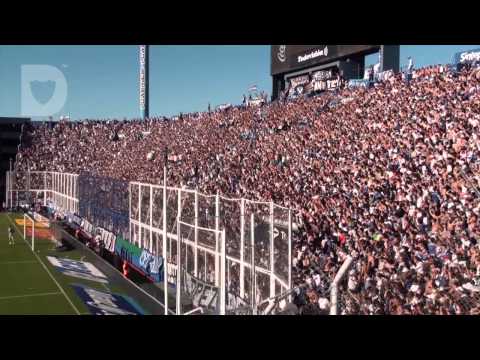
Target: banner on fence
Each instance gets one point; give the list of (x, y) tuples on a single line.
[(143, 260), (354, 83), (108, 239), (87, 228), (202, 293), (385, 75)]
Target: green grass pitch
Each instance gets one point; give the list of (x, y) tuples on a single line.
[(30, 285)]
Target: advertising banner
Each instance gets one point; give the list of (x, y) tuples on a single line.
[(87, 228), (142, 77), (256, 102), (465, 57), (78, 269), (21, 222), (297, 85), (385, 75), (285, 58), (104, 303), (202, 293), (108, 239), (144, 261), (354, 83), (322, 75), (224, 106), (41, 219), (74, 220)]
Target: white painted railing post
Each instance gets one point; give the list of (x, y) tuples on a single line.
[(242, 248), (223, 292), (334, 289), (179, 270), (289, 252), (164, 250), (272, 248), (195, 265), (217, 240), (254, 275), (151, 223)]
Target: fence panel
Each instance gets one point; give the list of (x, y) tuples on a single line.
[(256, 231)]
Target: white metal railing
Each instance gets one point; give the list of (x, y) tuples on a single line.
[(258, 234), (334, 287)]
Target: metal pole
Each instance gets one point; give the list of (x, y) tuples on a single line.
[(130, 212), (195, 271), (179, 205), (139, 215), (45, 189), (7, 186), (289, 252), (28, 192), (12, 185), (223, 292), (164, 249), (254, 277), (242, 248), (10, 188), (217, 240), (333, 300), (33, 236), (151, 222), (334, 290), (179, 269), (272, 248)]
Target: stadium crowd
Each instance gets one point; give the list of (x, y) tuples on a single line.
[(387, 175)]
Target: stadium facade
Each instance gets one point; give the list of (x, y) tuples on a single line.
[(293, 65)]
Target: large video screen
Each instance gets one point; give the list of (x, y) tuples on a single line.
[(291, 57)]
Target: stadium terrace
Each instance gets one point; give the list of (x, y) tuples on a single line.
[(387, 174)]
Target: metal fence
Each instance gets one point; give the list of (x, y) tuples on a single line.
[(60, 189), (258, 235)]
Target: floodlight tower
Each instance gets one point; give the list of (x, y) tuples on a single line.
[(144, 80)]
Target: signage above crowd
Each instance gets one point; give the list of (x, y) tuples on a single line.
[(467, 57)]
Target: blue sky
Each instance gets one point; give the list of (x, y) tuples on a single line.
[(103, 80)]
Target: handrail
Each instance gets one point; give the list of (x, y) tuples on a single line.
[(191, 312)]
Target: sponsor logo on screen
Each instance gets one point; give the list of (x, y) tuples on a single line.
[(313, 55), (79, 269), (470, 56), (282, 50), (104, 303)]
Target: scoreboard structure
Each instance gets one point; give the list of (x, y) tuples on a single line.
[(294, 61)]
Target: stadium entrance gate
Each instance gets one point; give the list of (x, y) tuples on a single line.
[(234, 254)]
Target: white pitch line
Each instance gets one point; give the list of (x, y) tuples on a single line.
[(18, 262), (31, 295), (46, 269)]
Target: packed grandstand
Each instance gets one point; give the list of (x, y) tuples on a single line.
[(387, 174)]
